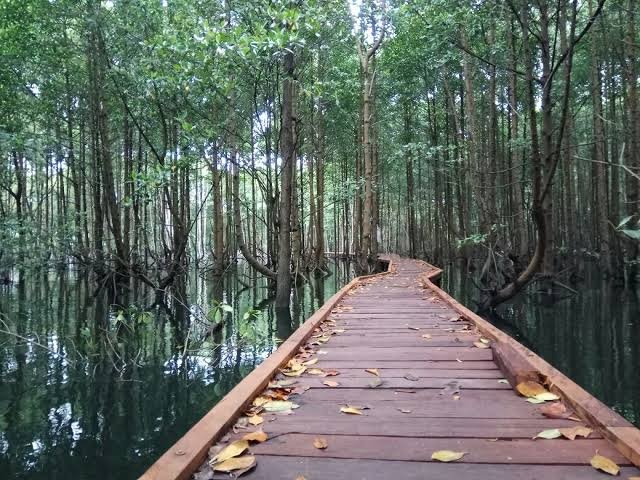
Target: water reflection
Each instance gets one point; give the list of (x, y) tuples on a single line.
[(593, 337), (100, 391)]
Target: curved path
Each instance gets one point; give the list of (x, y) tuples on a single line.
[(415, 364)]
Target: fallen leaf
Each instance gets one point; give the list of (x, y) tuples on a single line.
[(282, 383), (549, 434), (604, 464), (301, 477), (573, 432), (404, 391), (338, 330), (296, 373), (373, 371), (411, 378), (480, 345), (375, 383), (447, 455), (504, 380), (485, 341), (310, 362), (259, 401), (279, 406), (256, 420), (230, 451), (534, 400), (404, 410), (547, 397), (320, 443), (258, 436), (321, 352), (315, 371), (299, 390), (427, 336), (330, 383), (555, 410), (530, 389), (331, 373), (351, 410), (458, 360), (233, 464), (412, 328)]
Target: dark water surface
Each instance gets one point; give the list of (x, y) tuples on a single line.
[(92, 391), (593, 337)]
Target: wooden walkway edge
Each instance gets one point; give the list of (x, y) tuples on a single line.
[(391, 344)]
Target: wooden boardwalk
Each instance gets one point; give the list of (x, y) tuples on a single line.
[(412, 361)]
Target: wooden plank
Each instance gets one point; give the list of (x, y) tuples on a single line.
[(538, 452), (288, 468), (412, 426), (406, 420)]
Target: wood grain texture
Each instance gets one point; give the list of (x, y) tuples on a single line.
[(444, 391)]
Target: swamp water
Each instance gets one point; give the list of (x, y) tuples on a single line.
[(593, 336), (90, 391)]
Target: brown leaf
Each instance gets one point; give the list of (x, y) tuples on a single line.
[(235, 464), (530, 389), (258, 436), (373, 371), (331, 373), (330, 383), (232, 450), (573, 432), (556, 410), (320, 443), (315, 371), (604, 464)]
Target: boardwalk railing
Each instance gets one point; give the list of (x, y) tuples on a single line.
[(397, 326)]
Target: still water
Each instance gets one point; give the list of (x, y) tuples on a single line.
[(93, 391), (593, 336)]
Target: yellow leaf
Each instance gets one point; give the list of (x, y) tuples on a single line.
[(373, 371), (320, 443), (256, 420), (351, 410), (534, 400), (310, 362), (530, 389), (480, 345), (232, 450), (573, 432), (338, 330), (604, 464), (258, 436), (549, 434), (259, 401), (330, 383), (447, 456), (484, 340), (240, 463), (427, 336)]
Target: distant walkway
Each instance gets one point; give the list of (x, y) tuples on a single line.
[(394, 373)]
